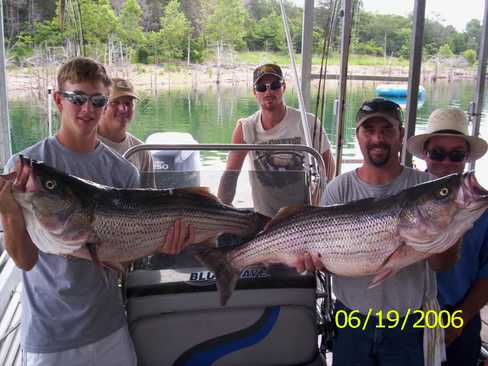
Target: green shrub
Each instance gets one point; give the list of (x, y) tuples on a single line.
[(470, 56)]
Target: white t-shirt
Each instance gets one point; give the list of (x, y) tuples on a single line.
[(277, 178)]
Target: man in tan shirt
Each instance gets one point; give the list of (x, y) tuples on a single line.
[(112, 128)]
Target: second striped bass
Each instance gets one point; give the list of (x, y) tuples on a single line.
[(367, 237)]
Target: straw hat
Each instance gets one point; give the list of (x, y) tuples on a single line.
[(447, 122)]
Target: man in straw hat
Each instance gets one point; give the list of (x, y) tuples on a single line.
[(112, 128), (446, 147)]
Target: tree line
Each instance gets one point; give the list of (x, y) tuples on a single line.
[(160, 31)]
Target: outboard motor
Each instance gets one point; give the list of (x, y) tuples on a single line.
[(174, 168)]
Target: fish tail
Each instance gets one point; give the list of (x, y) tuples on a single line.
[(216, 260), (259, 223)]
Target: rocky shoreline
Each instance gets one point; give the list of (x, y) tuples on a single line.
[(35, 81)]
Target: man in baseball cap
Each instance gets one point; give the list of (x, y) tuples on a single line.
[(379, 132), (274, 123), (446, 147), (112, 128)]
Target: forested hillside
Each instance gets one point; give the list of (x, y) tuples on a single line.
[(157, 31)]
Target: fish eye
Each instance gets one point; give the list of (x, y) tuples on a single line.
[(50, 184), (443, 192)]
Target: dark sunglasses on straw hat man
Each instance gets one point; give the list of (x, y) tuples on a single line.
[(447, 122)]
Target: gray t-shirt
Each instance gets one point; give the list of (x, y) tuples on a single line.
[(411, 286), (66, 302), (141, 159)]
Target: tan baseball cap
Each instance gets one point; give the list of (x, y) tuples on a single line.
[(122, 88)]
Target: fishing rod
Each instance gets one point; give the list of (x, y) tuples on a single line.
[(301, 103)]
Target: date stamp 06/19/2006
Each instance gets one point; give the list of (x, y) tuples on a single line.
[(392, 319)]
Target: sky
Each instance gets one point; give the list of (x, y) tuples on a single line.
[(452, 12)]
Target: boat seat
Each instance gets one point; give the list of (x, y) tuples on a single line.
[(175, 318)]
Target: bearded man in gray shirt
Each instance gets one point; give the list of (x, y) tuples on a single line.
[(380, 133)]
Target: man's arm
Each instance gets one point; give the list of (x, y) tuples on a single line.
[(18, 243), (329, 165), (476, 299), (235, 160), (445, 260)]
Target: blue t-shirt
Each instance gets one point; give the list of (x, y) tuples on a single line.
[(65, 301), (454, 284)]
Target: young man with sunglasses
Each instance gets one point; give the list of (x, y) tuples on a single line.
[(70, 314), (112, 129), (379, 133), (273, 123), (446, 147)]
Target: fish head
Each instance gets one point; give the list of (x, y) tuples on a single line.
[(50, 195), (438, 213), (471, 195)]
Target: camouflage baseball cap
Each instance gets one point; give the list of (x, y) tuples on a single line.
[(267, 69), (122, 88), (380, 107)]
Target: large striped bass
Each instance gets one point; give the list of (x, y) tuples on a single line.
[(367, 237), (73, 216)]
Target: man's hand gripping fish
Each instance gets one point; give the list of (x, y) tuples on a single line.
[(367, 237)]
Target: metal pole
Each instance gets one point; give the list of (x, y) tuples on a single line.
[(414, 77), (5, 141), (50, 110), (307, 48), (345, 41), (475, 111)]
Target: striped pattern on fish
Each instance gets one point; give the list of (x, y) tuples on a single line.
[(367, 237), (68, 215)]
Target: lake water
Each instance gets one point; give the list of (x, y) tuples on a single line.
[(209, 114)]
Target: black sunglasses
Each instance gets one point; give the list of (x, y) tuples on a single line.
[(262, 87), (79, 98), (439, 154)]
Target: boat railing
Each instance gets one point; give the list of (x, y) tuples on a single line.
[(316, 171), (10, 279)]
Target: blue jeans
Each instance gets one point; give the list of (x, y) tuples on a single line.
[(377, 346)]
